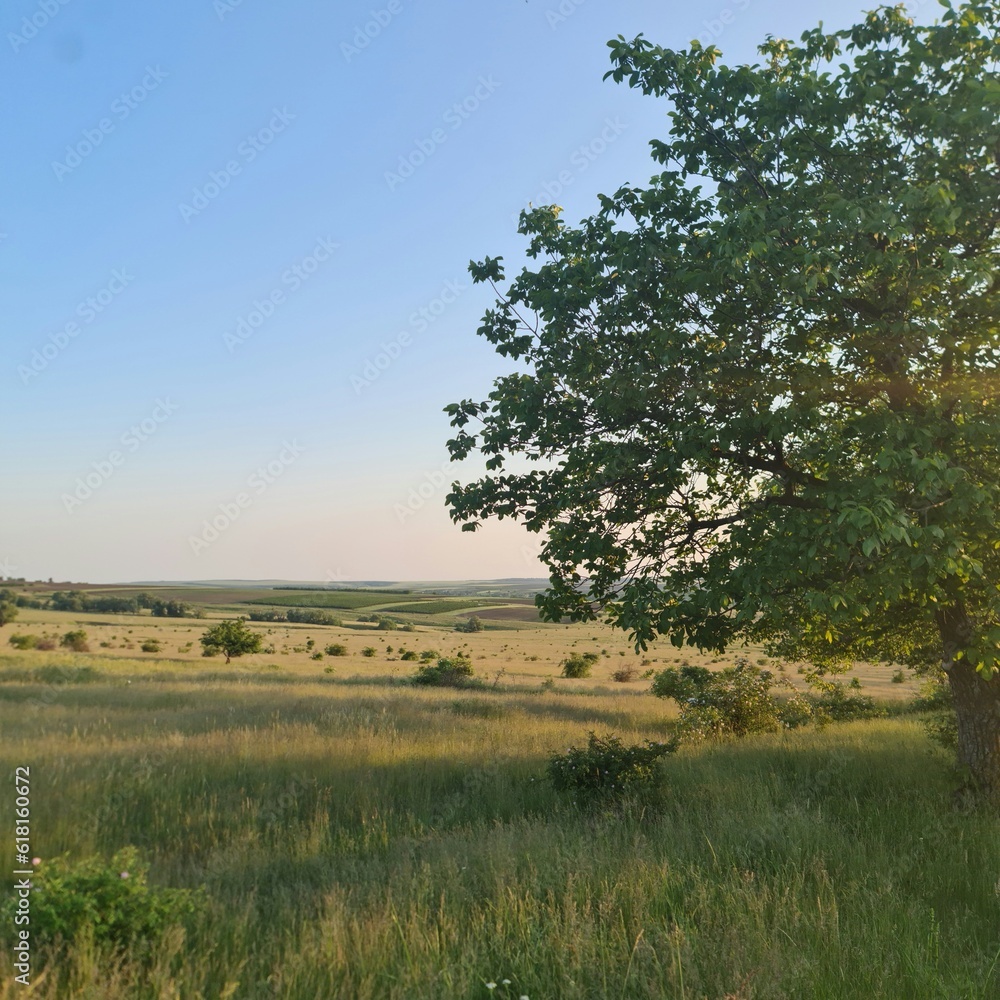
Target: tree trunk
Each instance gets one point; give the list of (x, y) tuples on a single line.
[(977, 706)]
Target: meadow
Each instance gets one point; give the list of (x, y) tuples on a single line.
[(360, 837)]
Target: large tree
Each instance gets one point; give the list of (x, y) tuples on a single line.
[(757, 399)]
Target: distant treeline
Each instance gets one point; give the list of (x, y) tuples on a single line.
[(305, 616), (77, 600)]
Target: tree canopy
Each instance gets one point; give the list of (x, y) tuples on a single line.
[(232, 637), (758, 397)]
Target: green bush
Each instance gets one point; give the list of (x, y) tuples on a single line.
[(409, 655), (732, 702), (369, 651), (23, 641), (336, 649), (111, 899), (77, 641), (836, 705), (449, 671), (150, 646), (472, 624), (578, 664), (606, 767)]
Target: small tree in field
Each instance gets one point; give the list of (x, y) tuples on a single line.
[(8, 607), (233, 638), (761, 392)]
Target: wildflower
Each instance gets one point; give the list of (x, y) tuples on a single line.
[(505, 982), (491, 986), (36, 861), (123, 874)]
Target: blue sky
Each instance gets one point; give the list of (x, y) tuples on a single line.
[(233, 264)]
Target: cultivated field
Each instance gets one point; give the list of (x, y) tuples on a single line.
[(359, 837)]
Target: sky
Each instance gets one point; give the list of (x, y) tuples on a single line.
[(234, 239)]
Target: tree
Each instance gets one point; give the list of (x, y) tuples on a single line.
[(758, 397), (8, 606), (233, 638)]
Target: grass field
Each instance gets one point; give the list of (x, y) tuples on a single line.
[(359, 837)]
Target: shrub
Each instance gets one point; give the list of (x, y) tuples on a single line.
[(735, 702), (898, 677), (606, 766), (336, 649), (316, 656), (409, 655), (387, 624), (429, 654), (24, 641), (111, 899), (625, 675), (578, 664), (368, 651), (77, 641), (46, 643), (150, 646), (472, 624), (449, 671), (837, 705)]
